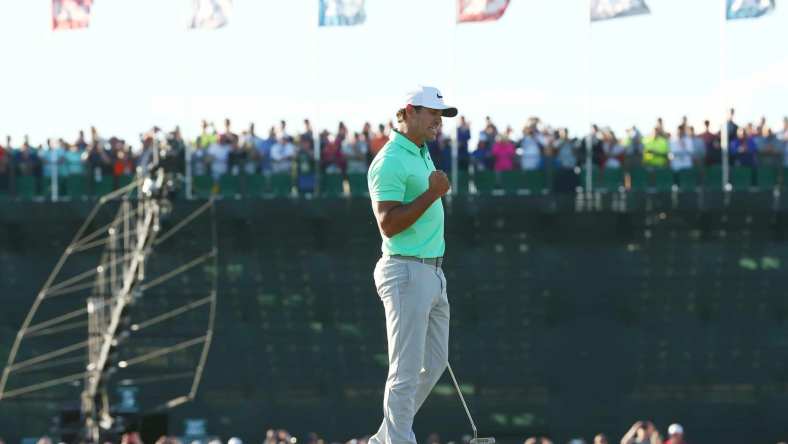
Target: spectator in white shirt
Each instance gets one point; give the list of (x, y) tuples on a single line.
[(282, 155), (530, 150), (218, 154), (614, 152), (681, 151), (355, 151)]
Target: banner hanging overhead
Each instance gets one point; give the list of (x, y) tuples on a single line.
[(743, 9), (610, 9), (480, 10), (70, 14), (210, 14), (342, 13)]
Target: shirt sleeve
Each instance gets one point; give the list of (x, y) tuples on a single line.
[(386, 180)]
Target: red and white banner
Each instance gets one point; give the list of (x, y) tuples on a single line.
[(70, 14), (480, 10)]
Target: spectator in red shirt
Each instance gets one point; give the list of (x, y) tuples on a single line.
[(711, 142), (676, 434), (5, 155), (331, 159), (122, 165), (378, 140)]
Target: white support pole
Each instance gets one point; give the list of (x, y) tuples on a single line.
[(589, 182), (589, 163), (724, 102), (454, 165), (54, 167), (455, 141), (188, 170), (317, 149)]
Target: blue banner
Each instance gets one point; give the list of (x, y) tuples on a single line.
[(743, 9), (609, 9), (342, 12)]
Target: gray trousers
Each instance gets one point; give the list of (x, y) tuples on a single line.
[(417, 327)]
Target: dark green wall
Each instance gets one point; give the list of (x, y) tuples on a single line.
[(568, 318)]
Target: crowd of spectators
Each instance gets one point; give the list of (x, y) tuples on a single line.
[(91, 158), (282, 150), (641, 432)]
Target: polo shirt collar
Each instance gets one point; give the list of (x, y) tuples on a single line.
[(398, 138)]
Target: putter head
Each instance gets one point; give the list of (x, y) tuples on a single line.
[(483, 441)]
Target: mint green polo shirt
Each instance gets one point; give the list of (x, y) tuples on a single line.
[(400, 172)]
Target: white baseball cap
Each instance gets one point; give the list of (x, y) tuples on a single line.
[(430, 97), (675, 429)]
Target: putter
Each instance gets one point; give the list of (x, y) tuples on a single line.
[(476, 439)]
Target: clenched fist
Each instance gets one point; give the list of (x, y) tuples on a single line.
[(439, 183)]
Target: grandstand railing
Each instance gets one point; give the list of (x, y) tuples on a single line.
[(475, 182)]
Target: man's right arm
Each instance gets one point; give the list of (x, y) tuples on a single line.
[(395, 217)]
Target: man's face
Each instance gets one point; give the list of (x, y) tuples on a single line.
[(424, 122)]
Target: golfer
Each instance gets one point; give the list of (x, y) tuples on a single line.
[(406, 195)]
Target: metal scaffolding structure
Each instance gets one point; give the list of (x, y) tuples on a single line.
[(103, 310)]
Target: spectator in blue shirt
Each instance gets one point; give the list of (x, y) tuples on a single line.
[(263, 149), (482, 156), (531, 147), (444, 145), (733, 128), (27, 161), (54, 159), (743, 149), (463, 138), (768, 147)]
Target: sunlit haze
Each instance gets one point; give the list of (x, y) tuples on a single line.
[(138, 65)]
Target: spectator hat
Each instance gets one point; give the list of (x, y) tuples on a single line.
[(234, 440), (430, 97), (675, 429)]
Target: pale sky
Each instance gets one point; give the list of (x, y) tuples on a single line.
[(138, 65)]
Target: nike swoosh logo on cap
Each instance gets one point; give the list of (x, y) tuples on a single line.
[(439, 96)]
